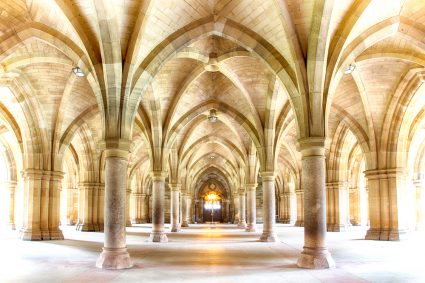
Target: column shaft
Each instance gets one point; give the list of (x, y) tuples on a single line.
[(315, 254), (269, 208), (85, 208), (114, 254), (11, 220), (237, 209), (242, 209), (158, 192), (127, 208), (175, 207), (251, 207), (300, 208), (387, 204), (185, 210)]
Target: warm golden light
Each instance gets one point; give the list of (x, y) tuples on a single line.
[(212, 197)]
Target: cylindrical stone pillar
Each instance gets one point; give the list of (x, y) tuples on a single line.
[(85, 207), (175, 207), (269, 207), (127, 208), (185, 211), (114, 254), (32, 209), (54, 205), (420, 204), (144, 208), (242, 205), (158, 192), (11, 220), (237, 208), (315, 254), (251, 207), (190, 209), (300, 208)]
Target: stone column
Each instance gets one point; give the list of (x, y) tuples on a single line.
[(11, 187), (101, 207), (185, 210), (95, 207), (175, 207), (31, 215), (144, 202), (354, 198), (338, 218), (114, 254), (289, 203), (387, 204), (158, 192), (44, 205), (242, 205), (282, 208), (237, 208), (85, 207), (251, 207), (315, 254), (420, 204), (54, 205), (269, 207), (127, 208), (189, 209), (300, 208), (137, 208)]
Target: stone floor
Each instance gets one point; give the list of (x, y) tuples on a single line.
[(205, 253)]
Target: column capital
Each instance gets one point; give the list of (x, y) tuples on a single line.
[(159, 176), (55, 175), (312, 146), (250, 187), (268, 175), (175, 187), (385, 173), (32, 174), (337, 185)]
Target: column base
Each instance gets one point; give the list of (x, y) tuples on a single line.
[(386, 234), (138, 221), (159, 237), (251, 228), (85, 227), (175, 229), (111, 258), (285, 221), (45, 235), (12, 226), (299, 223), (30, 235), (269, 237), (56, 234), (318, 258), (185, 224), (338, 227), (242, 224), (128, 224)]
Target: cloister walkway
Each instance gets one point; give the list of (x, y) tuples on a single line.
[(211, 253)]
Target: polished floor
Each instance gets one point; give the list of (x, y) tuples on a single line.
[(211, 253)]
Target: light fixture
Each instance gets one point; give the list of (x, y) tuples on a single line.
[(78, 72), (212, 156), (213, 116), (350, 69)]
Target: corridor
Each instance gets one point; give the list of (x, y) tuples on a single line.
[(210, 253)]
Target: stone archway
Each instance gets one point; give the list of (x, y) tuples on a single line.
[(209, 210)]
